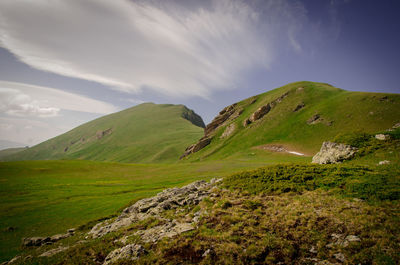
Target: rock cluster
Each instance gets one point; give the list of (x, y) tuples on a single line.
[(131, 252), (332, 153), (172, 198)]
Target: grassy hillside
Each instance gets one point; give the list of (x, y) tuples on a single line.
[(10, 151), (339, 112), (144, 133)]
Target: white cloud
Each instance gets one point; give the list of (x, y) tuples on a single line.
[(130, 45), (20, 99)]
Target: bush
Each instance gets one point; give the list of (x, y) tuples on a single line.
[(356, 181)]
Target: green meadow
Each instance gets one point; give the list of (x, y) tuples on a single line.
[(42, 198)]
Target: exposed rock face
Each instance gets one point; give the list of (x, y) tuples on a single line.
[(191, 194), (314, 119), (260, 112), (192, 116), (131, 252), (220, 119), (317, 118), (203, 142), (332, 153), (228, 131), (299, 107), (227, 114), (263, 110), (382, 137)]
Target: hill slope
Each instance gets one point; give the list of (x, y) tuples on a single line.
[(144, 133), (296, 117)]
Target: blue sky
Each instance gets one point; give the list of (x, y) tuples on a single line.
[(63, 63)]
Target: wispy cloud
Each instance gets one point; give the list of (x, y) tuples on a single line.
[(20, 99), (174, 50)]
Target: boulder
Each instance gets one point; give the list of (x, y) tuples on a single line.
[(314, 119), (129, 252), (382, 137), (332, 153), (384, 162)]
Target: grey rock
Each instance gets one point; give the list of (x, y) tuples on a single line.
[(130, 252), (206, 253), (382, 137), (397, 125), (246, 122), (340, 257), (384, 162), (353, 238), (332, 153)]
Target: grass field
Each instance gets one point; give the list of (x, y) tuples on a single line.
[(42, 198)]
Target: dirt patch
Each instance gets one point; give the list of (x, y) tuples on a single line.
[(279, 148)]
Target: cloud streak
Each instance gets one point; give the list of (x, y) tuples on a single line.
[(130, 46), (18, 99)]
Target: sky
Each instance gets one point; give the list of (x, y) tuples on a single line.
[(63, 63)]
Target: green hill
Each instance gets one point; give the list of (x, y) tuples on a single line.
[(10, 151), (297, 117), (144, 133)]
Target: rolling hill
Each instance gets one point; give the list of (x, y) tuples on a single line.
[(144, 133), (295, 118)]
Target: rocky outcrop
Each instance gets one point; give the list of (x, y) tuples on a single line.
[(263, 110), (203, 142), (129, 252), (192, 116), (317, 118), (191, 194), (228, 131), (226, 115), (220, 119), (169, 229), (38, 241), (314, 119), (332, 153), (299, 107), (260, 112)]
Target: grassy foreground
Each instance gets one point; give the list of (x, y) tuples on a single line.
[(42, 198)]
